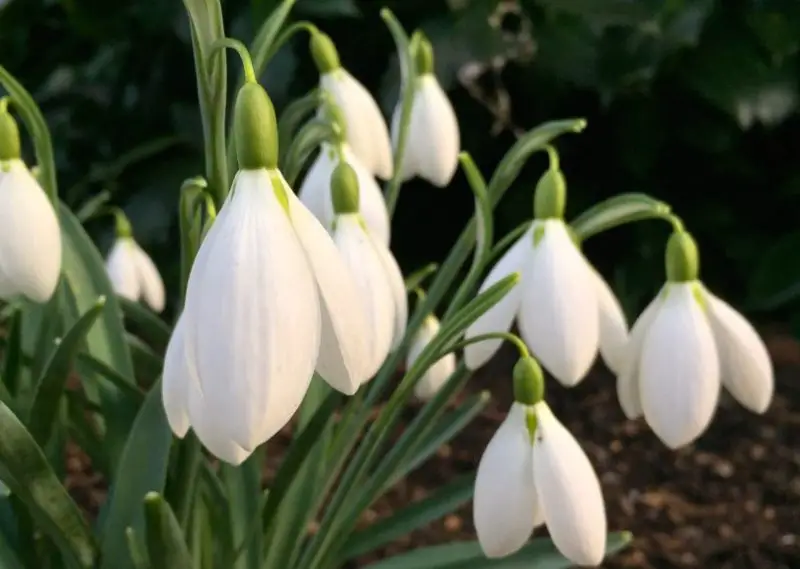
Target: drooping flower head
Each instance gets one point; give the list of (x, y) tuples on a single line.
[(686, 345)]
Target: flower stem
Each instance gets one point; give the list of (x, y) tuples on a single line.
[(507, 336), (244, 55)]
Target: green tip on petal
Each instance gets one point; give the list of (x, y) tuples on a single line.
[(122, 225), (528, 381), (323, 52), (682, 258), (424, 56), (255, 128), (344, 189), (335, 116), (9, 133), (550, 197)]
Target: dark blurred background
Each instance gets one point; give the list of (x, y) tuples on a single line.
[(694, 102)]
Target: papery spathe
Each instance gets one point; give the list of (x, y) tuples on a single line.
[(133, 274)]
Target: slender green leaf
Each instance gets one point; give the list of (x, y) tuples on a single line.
[(149, 325), (93, 206), (25, 470), (166, 545), (292, 117), (616, 211), (307, 140), (416, 278), (136, 550), (146, 363), (50, 387), (142, 469), (242, 487), (443, 501), (539, 554), (220, 524), (133, 395)]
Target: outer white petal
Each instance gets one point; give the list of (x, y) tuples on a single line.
[(679, 374), (500, 316), (345, 357), (559, 317), (174, 390), (367, 133), (150, 283), (410, 166), (434, 138), (613, 325), (30, 236), (505, 504), (122, 270), (628, 378), (315, 192), (569, 492), (374, 289), (252, 314), (398, 287), (441, 370), (745, 364)]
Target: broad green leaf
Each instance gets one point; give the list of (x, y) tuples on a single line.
[(136, 550), (149, 325), (242, 488), (128, 387), (50, 386), (25, 470), (616, 211), (166, 545), (219, 524), (539, 554), (443, 501), (142, 469), (775, 279)]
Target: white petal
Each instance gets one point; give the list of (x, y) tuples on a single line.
[(367, 133), (398, 287), (613, 325), (345, 357), (434, 140), (30, 236), (410, 165), (361, 257), (559, 316), (628, 378), (174, 391), (252, 314), (315, 192), (441, 370), (500, 316), (745, 364), (150, 283), (679, 375), (569, 492), (121, 269), (505, 504)]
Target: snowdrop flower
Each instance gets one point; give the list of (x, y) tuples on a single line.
[(534, 472), (315, 192), (433, 139), (269, 300), (30, 236), (440, 371), (565, 310), (684, 346), (367, 133), (379, 280), (132, 273)]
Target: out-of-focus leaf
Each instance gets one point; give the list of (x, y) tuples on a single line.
[(328, 8), (149, 325), (12, 366), (166, 544), (146, 363), (775, 280)]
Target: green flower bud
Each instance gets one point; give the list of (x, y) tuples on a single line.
[(335, 116), (550, 198), (255, 128), (9, 133), (424, 56), (682, 258), (528, 381), (324, 53), (344, 189)]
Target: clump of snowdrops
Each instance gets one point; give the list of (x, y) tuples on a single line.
[(295, 312)]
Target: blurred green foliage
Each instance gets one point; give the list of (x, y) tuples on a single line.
[(692, 101)]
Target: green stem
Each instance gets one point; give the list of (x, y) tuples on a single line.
[(507, 336), (553, 156), (288, 33), (241, 50), (4, 102)]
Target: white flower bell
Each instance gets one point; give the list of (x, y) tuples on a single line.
[(367, 133), (565, 310), (683, 348), (269, 300), (315, 191), (132, 273), (440, 371), (534, 472), (434, 140), (380, 282), (30, 236)]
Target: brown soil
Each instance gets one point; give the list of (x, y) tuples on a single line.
[(731, 501)]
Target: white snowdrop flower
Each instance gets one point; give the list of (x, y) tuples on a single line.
[(132, 273), (434, 140), (684, 346), (367, 133), (315, 192), (534, 472), (269, 300), (378, 277), (440, 371), (30, 236)]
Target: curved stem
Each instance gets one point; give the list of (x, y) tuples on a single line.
[(289, 32), (244, 55), (552, 153), (507, 336), (677, 224)]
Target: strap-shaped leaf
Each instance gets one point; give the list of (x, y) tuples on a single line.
[(616, 211), (166, 544), (149, 325)]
